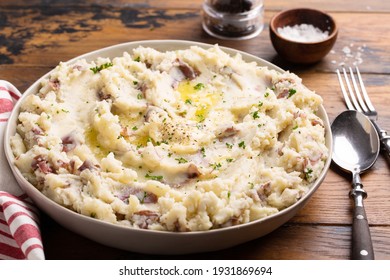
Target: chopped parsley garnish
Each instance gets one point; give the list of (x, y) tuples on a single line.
[(203, 151), (188, 101), (229, 146), (242, 144), (199, 86), (135, 83), (229, 159), (134, 128), (158, 143), (295, 127), (216, 165), (154, 177), (260, 104), (266, 94), (308, 173), (139, 96), (201, 117), (181, 160), (138, 59), (291, 92), (255, 115), (101, 67), (229, 194), (142, 200)]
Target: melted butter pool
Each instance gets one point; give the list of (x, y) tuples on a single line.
[(198, 96)]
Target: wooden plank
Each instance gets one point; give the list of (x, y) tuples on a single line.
[(288, 242), (56, 34), (330, 5), (22, 77), (59, 34)]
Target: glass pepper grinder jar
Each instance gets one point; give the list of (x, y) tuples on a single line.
[(233, 19)]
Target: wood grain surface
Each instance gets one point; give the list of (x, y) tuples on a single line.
[(36, 35)]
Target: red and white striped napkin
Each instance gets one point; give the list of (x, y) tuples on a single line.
[(20, 237)]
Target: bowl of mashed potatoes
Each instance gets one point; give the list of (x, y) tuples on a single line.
[(169, 147)]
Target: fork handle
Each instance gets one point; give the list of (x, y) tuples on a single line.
[(362, 248), (384, 138), (386, 144)]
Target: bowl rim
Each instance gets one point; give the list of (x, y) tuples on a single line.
[(331, 36), (28, 187)]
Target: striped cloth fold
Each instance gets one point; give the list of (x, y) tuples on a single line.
[(20, 237)]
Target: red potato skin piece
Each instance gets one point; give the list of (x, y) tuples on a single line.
[(189, 72)]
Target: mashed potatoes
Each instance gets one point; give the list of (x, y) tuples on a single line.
[(188, 140)]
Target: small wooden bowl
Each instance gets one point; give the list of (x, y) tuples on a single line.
[(302, 52)]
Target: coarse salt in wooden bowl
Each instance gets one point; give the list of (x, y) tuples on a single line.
[(303, 35)]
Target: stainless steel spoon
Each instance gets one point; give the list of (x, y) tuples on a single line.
[(355, 149)]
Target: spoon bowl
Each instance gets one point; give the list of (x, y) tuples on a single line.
[(356, 143), (355, 149)]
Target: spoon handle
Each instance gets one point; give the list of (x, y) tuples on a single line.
[(362, 248)]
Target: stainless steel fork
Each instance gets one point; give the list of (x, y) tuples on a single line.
[(355, 101)]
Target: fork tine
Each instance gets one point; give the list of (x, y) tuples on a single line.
[(344, 92), (357, 91), (354, 101), (365, 95)]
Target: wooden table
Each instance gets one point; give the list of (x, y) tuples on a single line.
[(35, 35)]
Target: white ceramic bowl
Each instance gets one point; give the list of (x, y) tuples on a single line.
[(148, 241)]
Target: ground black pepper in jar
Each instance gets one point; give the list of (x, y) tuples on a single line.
[(233, 19)]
